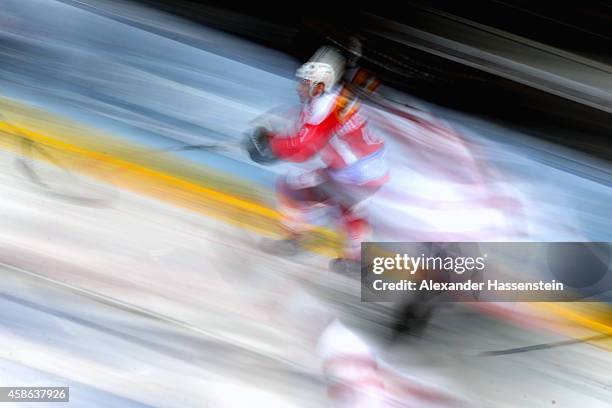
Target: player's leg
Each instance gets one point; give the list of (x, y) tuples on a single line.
[(353, 202), (297, 206)]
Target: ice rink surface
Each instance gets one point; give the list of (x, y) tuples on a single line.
[(139, 303)]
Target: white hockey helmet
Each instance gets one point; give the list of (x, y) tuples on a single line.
[(325, 66)]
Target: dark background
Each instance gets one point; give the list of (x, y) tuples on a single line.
[(298, 28)]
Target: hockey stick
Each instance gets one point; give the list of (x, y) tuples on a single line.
[(47, 172), (545, 346), (210, 147)]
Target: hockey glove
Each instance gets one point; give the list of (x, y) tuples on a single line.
[(257, 145)]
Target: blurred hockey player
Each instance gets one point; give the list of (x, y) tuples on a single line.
[(331, 127), (358, 378)]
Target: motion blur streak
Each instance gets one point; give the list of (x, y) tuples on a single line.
[(132, 265)]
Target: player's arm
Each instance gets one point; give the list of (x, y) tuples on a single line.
[(306, 143)]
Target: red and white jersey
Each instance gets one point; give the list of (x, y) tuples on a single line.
[(332, 126)]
